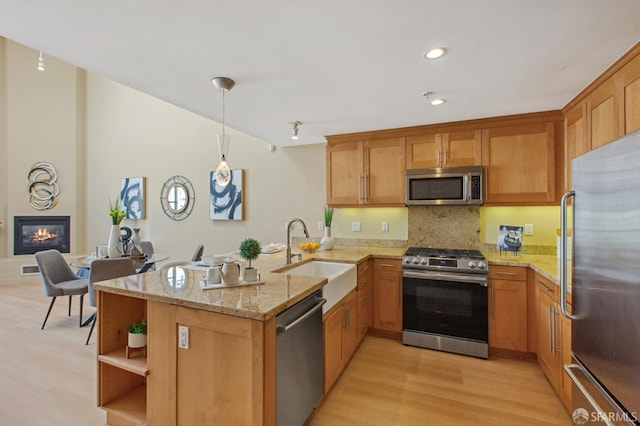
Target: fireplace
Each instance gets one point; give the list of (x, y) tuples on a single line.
[(36, 233)]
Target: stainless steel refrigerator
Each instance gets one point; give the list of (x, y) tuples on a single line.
[(605, 283)]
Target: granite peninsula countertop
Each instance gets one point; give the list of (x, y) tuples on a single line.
[(280, 289)]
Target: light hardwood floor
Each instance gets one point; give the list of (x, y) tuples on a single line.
[(48, 378)]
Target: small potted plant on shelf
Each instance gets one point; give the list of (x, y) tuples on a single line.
[(137, 334), (328, 242), (250, 250)]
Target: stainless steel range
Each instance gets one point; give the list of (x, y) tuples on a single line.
[(444, 300)]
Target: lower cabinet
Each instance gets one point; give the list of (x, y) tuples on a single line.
[(341, 336), (554, 339), (229, 360), (365, 297), (508, 308), (387, 296)]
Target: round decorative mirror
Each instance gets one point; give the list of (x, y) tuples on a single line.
[(177, 197)]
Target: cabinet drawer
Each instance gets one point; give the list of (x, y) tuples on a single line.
[(546, 285), (363, 267), (387, 265), (502, 272)]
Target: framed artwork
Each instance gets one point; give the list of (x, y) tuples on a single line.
[(132, 197), (226, 201), (509, 238)]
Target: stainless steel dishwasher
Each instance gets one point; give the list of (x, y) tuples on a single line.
[(299, 360)]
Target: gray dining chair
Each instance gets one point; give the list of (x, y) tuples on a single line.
[(106, 269), (59, 279), (197, 255)]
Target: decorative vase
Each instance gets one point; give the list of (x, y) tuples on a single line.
[(112, 247), (136, 238), (327, 242)]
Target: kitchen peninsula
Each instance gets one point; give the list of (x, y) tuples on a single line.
[(231, 353)]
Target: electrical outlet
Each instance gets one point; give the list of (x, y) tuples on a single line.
[(183, 337), (385, 226), (355, 226), (320, 225), (528, 229)]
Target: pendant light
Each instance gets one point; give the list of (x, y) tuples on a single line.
[(223, 173)]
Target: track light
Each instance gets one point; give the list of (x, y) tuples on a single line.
[(40, 62), (296, 125)]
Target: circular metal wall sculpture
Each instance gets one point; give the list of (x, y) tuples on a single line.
[(43, 188), (177, 198)]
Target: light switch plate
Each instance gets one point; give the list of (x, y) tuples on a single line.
[(355, 226), (183, 337), (320, 225), (385, 226), (528, 229)]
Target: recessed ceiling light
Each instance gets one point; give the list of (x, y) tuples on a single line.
[(435, 53), (437, 102)]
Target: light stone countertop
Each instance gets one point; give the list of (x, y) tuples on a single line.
[(260, 302), (280, 290)]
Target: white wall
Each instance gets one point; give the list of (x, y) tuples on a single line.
[(132, 134)]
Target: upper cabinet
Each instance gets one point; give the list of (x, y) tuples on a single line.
[(519, 163), (366, 172), (629, 92), (602, 113), (444, 150), (575, 133)]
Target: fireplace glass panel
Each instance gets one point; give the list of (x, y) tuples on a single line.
[(36, 233)]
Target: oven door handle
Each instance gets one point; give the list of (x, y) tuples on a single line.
[(444, 276)]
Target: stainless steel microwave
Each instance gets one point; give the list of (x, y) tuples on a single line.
[(445, 186)]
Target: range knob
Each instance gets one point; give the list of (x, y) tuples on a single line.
[(416, 260), (471, 264), (482, 264), (407, 259), (423, 261)]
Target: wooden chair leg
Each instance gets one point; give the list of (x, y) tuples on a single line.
[(93, 324), (80, 317), (53, 299), (69, 314)]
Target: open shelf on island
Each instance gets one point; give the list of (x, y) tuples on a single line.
[(131, 407), (118, 358)]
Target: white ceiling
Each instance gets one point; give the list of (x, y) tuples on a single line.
[(339, 66)]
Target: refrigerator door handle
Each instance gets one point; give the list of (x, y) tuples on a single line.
[(602, 415), (564, 285)]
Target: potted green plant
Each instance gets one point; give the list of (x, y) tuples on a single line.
[(137, 334), (250, 250), (328, 242), (117, 213)]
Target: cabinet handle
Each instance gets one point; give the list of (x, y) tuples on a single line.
[(549, 290), (438, 159), (386, 265), (445, 157), (360, 178), (491, 298), (551, 327), (507, 273), (400, 292), (366, 191)]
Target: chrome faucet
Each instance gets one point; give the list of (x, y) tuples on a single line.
[(306, 233)]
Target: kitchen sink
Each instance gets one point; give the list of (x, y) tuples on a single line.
[(342, 278)]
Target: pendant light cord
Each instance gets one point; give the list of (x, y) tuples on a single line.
[(221, 147)]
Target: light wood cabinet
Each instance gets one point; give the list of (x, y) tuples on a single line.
[(227, 356), (366, 172), (452, 149), (341, 337), (365, 297), (387, 296), (508, 308), (603, 116), (575, 131), (520, 164), (554, 339), (629, 95)]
